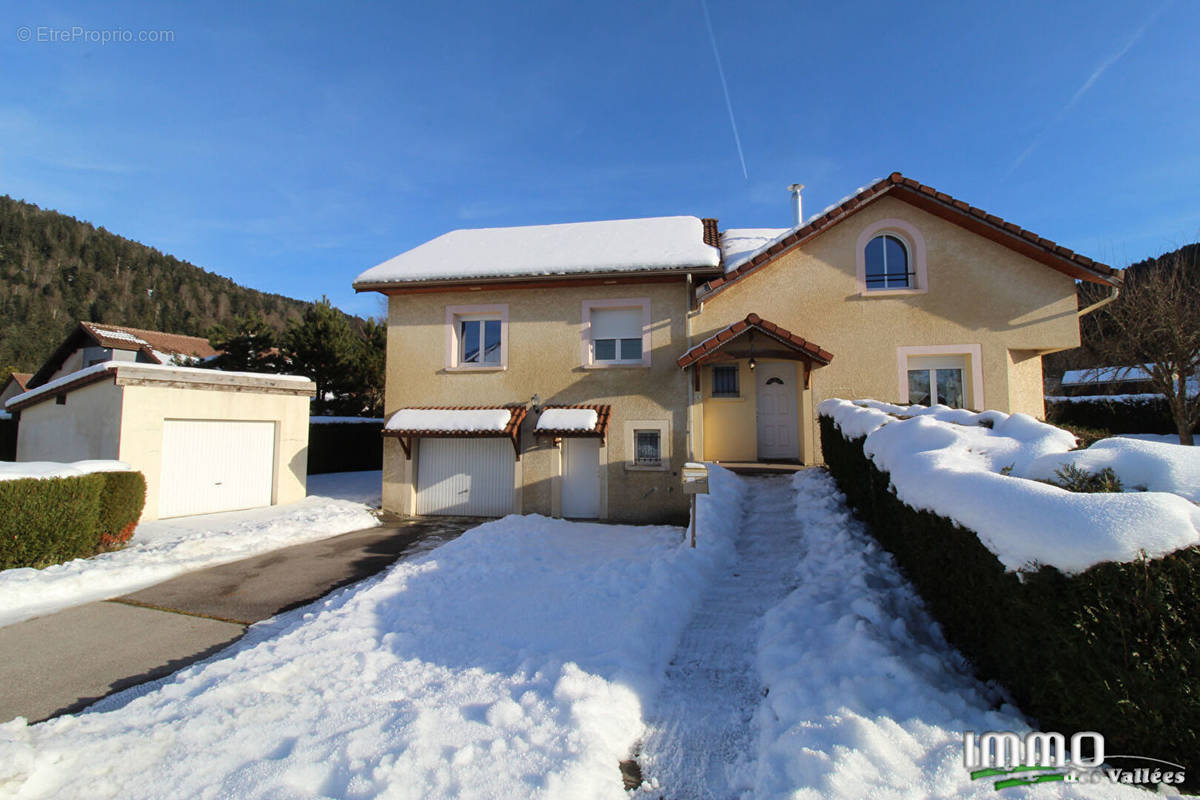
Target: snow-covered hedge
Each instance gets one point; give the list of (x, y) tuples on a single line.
[(1107, 649), (982, 471)]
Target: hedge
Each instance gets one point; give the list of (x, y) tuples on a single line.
[(344, 447), (1115, 649), (1143, 415), (46, 521)]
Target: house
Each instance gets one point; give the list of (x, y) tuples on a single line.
[(572, 369), (94, 343), (1107, 380), (13, 386), (205, 440)]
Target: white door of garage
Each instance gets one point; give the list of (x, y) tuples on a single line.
[(581, 477), (471, 477), (215, 465)]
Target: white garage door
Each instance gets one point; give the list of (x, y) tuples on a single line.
[(472, 477), (215, 465)]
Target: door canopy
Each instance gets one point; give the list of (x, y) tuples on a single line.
[(755, 337)]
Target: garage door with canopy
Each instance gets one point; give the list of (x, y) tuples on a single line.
[(465, 457), (215, 465), (580, 432)]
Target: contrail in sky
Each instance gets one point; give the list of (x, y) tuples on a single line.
[(1082, 90), (725, 87)]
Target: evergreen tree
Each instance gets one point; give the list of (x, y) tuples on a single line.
[(321, 346), (249, 347), (372, 360)]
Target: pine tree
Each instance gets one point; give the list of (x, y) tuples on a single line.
[(249, 347), (321, 346)]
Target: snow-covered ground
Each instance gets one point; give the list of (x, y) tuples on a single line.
[(513, 661), (337, 503), (1163, 438)]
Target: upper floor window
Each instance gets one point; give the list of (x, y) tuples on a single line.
[(890, 258), (477, 337), (616, 333), (887, 263)]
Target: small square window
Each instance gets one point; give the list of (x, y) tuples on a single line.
[(647, 448), (60, 400), (725, 381), (479, 342)]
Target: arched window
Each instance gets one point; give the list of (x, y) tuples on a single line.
[(887, 263)]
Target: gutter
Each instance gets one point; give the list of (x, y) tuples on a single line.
[(1114, 293)]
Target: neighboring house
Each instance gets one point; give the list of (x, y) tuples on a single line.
[(205, 440), (13, 386), (1107, 380), (651, 342), (94, 343)]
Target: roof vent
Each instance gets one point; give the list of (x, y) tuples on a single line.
[(797, 205)]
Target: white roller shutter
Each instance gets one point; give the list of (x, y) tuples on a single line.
[(215, 465), (471, 477)]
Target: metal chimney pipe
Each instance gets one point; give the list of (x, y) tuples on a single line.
[(797, 204)]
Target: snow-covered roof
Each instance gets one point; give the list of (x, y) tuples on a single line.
[(1077, 377), (741, 244), (568, 419), (458, 420), (625, 245), (163, 372)]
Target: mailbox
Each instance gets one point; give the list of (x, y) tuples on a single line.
[(695, 478)]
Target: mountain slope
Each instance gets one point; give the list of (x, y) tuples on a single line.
[(56, 270)]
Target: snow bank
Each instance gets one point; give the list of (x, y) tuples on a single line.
[(621, 245), (446, 419), (14, 470), (865, 697), (1161, 438), (513, 661), (165, 548), (1141, 465), (954, 469)]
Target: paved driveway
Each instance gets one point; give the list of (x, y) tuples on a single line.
[(63, 662)]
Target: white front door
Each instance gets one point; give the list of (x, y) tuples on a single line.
[(581, 477), (215, 465), (471, 477), (778, 433)]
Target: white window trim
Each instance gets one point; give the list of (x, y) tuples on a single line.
[(490, 311), (663, 426), (973, 352), (588, 348), (913, 241)]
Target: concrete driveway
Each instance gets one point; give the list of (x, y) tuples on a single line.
[(64, 662)]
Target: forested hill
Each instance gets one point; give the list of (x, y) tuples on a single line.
[(56, 270)]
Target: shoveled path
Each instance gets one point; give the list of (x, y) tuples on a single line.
[(700, 743), (64, 662)]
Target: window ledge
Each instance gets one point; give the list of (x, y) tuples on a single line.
[(476, 369), (645, 467), (887, 292), (618, 365)]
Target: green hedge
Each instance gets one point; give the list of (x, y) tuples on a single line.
[(1115, 649), (344, 447), (46, 521), (1148, 415)]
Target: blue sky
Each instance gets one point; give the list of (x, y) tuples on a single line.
[(290, 146)]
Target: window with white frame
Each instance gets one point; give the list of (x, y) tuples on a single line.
[(938, 380), (476, 337), (725, 381), (616, 332), (887, 263)]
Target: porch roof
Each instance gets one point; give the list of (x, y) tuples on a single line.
[(567, 421), (407, 424), (809, 351)]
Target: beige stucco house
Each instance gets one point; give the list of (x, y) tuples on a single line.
[(670, 341)]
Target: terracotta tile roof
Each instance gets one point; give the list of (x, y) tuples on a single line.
[(20, 378), (712, 234), (603, 413), (753, 322), (940, 204), (172, 343)]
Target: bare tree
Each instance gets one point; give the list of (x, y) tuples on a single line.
[(1156, 323)]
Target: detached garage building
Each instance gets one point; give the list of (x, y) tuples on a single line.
[(205, 440)]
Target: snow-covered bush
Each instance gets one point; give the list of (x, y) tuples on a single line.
[(1106, 649)]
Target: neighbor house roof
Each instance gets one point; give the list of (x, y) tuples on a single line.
[(927, 199), (753, 322), (21, 379), (619, 247), (158, 346), (1083, 377), (126, 372)]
